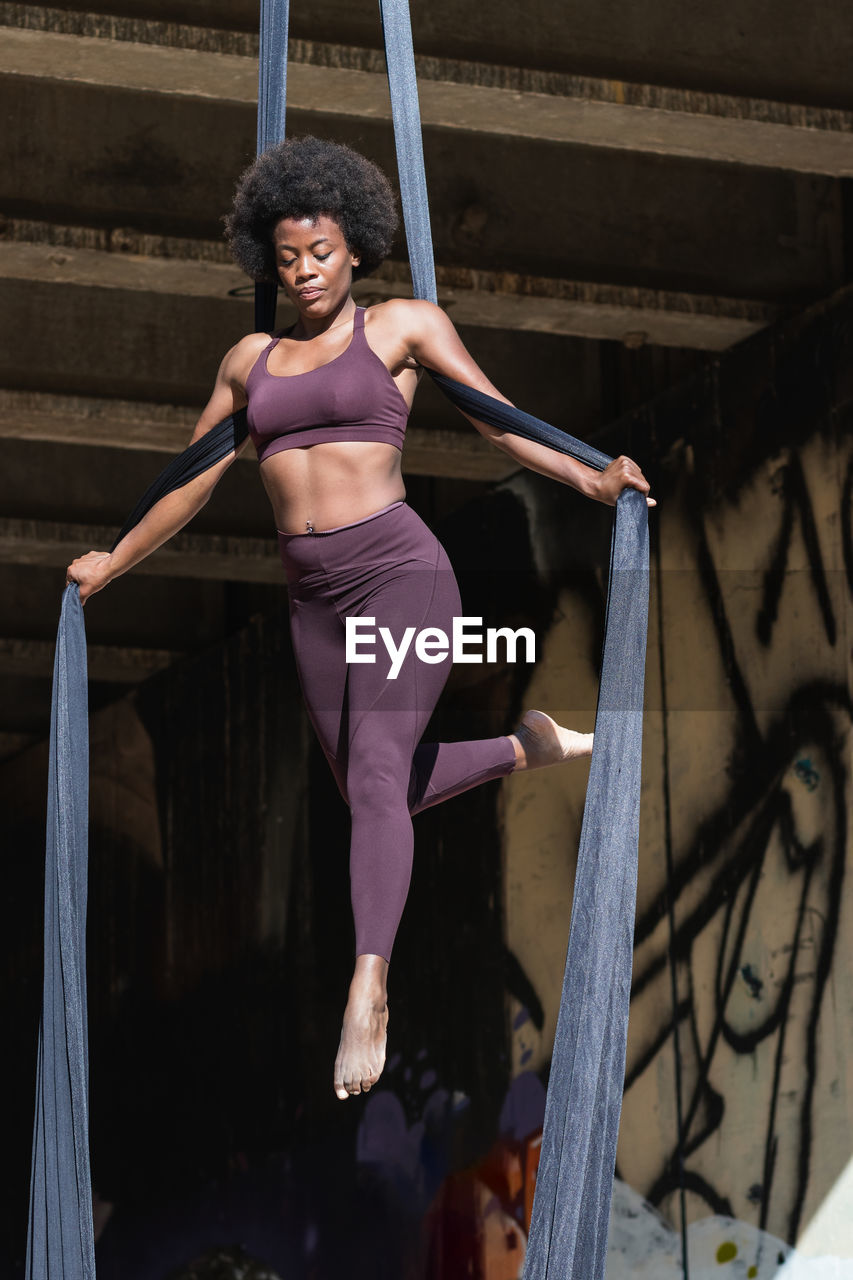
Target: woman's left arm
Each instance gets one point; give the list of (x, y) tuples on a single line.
[(433, 341)]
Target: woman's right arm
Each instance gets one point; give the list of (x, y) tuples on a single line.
[(94, 570)]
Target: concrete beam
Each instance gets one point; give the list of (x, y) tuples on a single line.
[(165, 163), (94, 421), (111, 665), (474, 298), (116, 424), (802, 56), (50, 544), (685, 125)]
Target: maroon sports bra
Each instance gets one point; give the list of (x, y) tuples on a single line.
[(352, 397)]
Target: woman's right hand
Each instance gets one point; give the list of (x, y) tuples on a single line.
[(91, 572)]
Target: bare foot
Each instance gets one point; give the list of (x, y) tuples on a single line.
[(361, 1053), (540, 741)]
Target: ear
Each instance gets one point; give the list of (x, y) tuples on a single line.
[(355, 259)]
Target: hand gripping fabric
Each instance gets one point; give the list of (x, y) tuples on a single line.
[(571, 1208)]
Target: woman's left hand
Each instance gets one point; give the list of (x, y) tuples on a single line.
[(621, 474)]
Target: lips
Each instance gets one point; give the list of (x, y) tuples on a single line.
[(308, 294)]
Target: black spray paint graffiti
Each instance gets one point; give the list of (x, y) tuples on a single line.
[(757, 809), (715, 883), (796, 503)]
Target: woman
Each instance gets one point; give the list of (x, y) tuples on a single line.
[(327, 408)]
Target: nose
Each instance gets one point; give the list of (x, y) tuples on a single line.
[(305, 269)]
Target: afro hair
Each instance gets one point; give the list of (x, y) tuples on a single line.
[(305, 178)]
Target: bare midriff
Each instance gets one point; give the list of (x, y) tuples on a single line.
[(322, 486)]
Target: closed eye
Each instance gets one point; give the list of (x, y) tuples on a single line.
[(320, 257)]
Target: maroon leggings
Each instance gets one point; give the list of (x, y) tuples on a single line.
[(392, 568)]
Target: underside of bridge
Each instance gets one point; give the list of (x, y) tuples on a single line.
[(619, 191), (643, 228)]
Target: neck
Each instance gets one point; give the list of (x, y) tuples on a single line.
[(307, 327)]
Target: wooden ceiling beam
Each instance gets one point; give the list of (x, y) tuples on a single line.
[(588, 112), (471, 297)]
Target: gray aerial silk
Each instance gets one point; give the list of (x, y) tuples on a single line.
[(272, 107), (405, 108), (60, 1230), (568, 1238), (571, 1207), (272, 73), (61, 1244)]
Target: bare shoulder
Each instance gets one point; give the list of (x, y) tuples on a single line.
[(406, 314), (238, 362), (404, 307)]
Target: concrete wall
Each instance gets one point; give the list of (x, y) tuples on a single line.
[(745, 808)]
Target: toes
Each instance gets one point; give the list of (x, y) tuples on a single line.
[(352, 1073), (345, 1088), (368, 1081), (341, 1085)]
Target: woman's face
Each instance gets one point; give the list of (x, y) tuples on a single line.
[(314, 264)]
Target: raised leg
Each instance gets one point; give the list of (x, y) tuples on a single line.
[(441, 770)]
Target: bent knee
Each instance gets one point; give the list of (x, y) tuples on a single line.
[(378, 792)]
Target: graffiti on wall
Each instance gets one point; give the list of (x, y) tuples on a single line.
[(739, 1100), (738, 1096)]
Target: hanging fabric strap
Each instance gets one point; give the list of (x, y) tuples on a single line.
[(272, 73), (405, 109), (60, 1244), (60, 1232), (272, 108), (226, 437), (571, 1209)]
